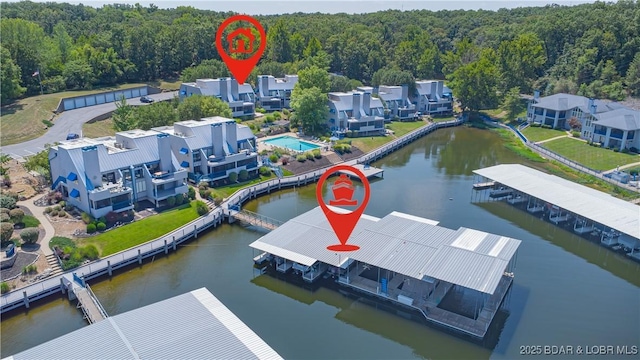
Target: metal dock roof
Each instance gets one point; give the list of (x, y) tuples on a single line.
[(194, 325), (578, 199), (406, 244)]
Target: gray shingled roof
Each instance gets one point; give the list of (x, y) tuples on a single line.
[(194, 325), (409, 245), (563, 102), (623, 119)]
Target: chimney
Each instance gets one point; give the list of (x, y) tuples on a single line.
[(536, 94), (263, 85), (223, 90), (164, 151), (216, 137), (356, 105), (593, 108), (433, 93), (91, 166), (366, 102), (232, 135), (405, 95), (440, 88), (233, 94)]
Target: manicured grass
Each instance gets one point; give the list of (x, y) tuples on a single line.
[(30, 221), (590, 156), (367, 144), (536, 134), (22, 120), (167, 84), (98, 128), (143, 230), (228, 190)]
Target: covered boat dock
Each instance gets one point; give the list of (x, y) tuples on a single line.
[(588, 212), (454, 278)]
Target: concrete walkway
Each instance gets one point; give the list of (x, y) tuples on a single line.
[(622, 167), (49, 231), (553, 138)]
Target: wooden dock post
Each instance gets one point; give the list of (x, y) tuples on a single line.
[(174, 243), (195, 232), (62, 287), (166, 247), (26, 299), (139, 257), (109, 269)]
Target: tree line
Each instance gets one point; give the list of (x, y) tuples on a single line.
[(589, 49)]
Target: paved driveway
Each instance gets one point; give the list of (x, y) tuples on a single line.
[(71, 122)]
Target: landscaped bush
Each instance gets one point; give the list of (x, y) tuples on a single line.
[(265, 171), (243, 175), (7, 202), (68, 207), (4, 211), (171, 201), (616, 150), (285, 160), (317, 154), (91, 228), (62, 213), (86, 218), (191, 193), (57, 208), (4, 288), (29, 235), (6, 230), (217, 200), (179, 199), (264, 152), (301, 158), (273, 158), (545, 126), (62, 203), (89, 251), (48, 209), (309, 155), (342, 148), (101, 226), (5, 217), (575, 134), (29, 269), (535, 125), (201, 207), (233, 177), (16, 215)]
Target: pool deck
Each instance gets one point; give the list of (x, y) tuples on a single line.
[(368, 172), (263, 146)]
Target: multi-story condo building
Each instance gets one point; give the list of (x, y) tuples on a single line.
[(112, 173), (240, 98), (608, 123), (356, 113), (212, 148), (433, 98), (274, 94), (396, 101)]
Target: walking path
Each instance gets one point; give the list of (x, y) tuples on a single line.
[(49, 231), (553, 138), (622, 167)]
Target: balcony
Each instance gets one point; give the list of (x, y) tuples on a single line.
[(163, 194), (108, 190), (163, 177), (121, 205)]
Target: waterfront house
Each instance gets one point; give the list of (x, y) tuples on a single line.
[(396, 102), (356, 113), (240, 98), (274, 94), (112, 173), (212, 148), (608, 123), (433, 98)]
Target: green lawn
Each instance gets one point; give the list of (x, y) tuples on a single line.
[(22, 120), (143, 230), (98, 128), (30, 221), (228, 190), (367, 144), (594, 157), (536, 134)]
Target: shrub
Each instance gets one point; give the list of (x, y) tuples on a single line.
[(217, 200), (575, 134), (545, 126), (233, 177), (48, 209), (91, 228), (53, 213), (179, 199), (203, 186), (6, 180), (264, 152), (7, 202), (285, 111), (191, 193), (273, 158), (243, 175), (317, 154), (57, 208), (89, 252), (88, 219), (277, 115), (625, 151), (201, 207), (16, 215), (29, 269), (4, 211), (62, 203), (616, 150), (111, 217), (68, 207), (101, 226), (4, 288), (309, 155), (301, 158), (62, 213), (171, 201), (4, 217), (29, 235), (285, 160), (6, 230), (265, 171)]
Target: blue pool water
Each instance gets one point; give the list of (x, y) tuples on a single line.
[(291, 143)]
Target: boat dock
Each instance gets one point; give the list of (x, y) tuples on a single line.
[(590, 213), (366, 169), (484, 185)]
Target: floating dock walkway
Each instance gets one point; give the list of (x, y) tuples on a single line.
[(367, 170)]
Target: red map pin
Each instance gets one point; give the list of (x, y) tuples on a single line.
[(241, 41), (342, 189)]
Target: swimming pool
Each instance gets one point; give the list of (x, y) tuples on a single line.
[(291, 143)]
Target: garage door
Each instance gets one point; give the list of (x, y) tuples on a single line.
[(100, 99), (143, 91), (135, 93), (80, 102), (109, 97), (91, 100), (69, 104)]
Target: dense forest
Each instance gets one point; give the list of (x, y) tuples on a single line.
[(590, 49)]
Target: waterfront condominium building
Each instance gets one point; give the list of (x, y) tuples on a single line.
[(212, 148), (433, 98), (240, 98), (356, 113), (396, 101), (609, 123), (274, 94), (112, 173)]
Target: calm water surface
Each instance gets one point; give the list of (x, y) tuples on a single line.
[(567, 291)]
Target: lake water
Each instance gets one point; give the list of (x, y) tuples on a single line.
[(566, 291)]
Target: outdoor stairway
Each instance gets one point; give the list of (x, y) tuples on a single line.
[(333, 158), (53, 265)]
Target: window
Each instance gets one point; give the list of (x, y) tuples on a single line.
[(102, 203), (141, 186), (126, 174), (138, 173), (196, 156), (109, 177)]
